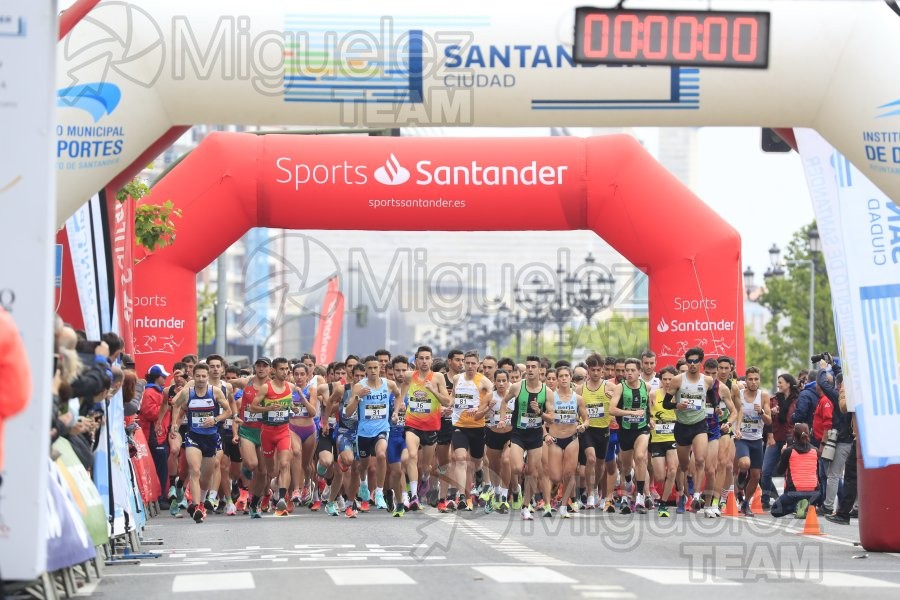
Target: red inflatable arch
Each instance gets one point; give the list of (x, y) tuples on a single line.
[(610, 185)]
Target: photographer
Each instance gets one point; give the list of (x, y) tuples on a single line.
[(808, 400), (799, 463)]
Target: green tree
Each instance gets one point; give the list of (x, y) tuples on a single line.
[(617, 336), (786, 338), (154, 227), (206, 303)]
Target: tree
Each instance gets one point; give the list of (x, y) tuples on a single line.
[(154, 227), (206, 303), (617, 336), (785, 345)]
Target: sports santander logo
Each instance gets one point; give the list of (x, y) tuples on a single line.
[(662, 326), (392, 173)]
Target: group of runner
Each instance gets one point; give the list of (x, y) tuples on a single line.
[(468, 433)]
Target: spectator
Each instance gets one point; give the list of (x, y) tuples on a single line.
[(844, 508), (807, 401), (801, 483), (783, 404), (155, 425)]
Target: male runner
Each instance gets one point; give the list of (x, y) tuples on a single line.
[(397, 454), (426, 395), (443, 463), (276, 405), (648, 371), (370, 399), (755, 412), (631, 405), (597, 393), (663, 453), (471, 400), (247, 428), (221, 479), (206, 407), (530, 411)]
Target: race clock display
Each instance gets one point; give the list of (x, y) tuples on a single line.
[(671, 37)]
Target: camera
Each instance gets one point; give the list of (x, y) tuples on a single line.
[(817, 357)]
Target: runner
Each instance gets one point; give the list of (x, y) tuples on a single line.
[(663, 453), (426, 395), (754, 412), (398, 455), (276, 405), (248, 429), (221, 480), (330, 395), (648, 371), (442, 461), (348, 451), (303, 434), (729, 418), (206, 407), (472, 393), (596, 392), (630, 404), (370, 399), (530, 411), (496, 438), (570, 417), (691, 428)]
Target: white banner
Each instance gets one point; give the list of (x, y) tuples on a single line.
[(28, 32), (860, 226), (78, 229)]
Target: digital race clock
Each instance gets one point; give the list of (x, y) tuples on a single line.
[(672, 37)]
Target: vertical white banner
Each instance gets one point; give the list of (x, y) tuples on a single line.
[(860, 231), (28, 35)]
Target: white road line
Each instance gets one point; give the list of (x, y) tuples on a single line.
[(847, 580), (597, 588), (373, 576), (158, 564), (607, 595), (177, 555), (222, 582), (524, 575), (677, 577)]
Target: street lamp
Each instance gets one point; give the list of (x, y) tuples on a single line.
[(203, 319), (589, 290), (500, 326), (777, 271), (749, 282), (535, 309), (560, 310)]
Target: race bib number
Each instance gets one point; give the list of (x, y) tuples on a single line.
[(303, 412), (596, 412), (751, 426), (565, 418), (401, 420), (228, 423), (665, 428), (421, 407), (375, 412), (197, 418), (250, 417), (332, 421), (531, 422), (695, 403), (710, 411), (278, 415), (634, 420), (465, 403)]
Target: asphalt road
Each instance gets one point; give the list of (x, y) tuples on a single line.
[(592, 555)]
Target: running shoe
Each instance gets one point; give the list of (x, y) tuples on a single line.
[(211, 505), (629, 488), (745, 509), (541, 504), (640, 508), (708, 513), (517, 501), (315, 506), (305, 496), (363, 506), (340, 504), (331, 510), (716, 511), (296, 499), (610, 506), (590, 504), (696, 505), (451, 505), (399, 512), (442, 506), (266, 502), (526, 515), (230, 509), (489, 507), (326, 493), (571, 507), (254, 513), (281, 505), (663, 511), (364, 492), (680, 507), (414, 503), (220, 506), (625, 509), (469, 504), (350, 513), (548, 512), (172, 494), (175, 510), (199, 517), (503, 508), (380, 504), (565, 515), (487, 495)]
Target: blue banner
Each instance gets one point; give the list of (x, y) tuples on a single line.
[(68, 540)]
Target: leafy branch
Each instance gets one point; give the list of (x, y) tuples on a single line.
[(154, 227)]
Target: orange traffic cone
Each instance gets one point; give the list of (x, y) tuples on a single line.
[(756, 503), (730, 506), (811, 525)]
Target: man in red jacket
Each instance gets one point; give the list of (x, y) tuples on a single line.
[(155, 428)]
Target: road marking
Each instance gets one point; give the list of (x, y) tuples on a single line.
[(596, 588), (677, 576), (847, 580), (524, 575), (157, 564), (220, 583), (607, 595), (88, 588), (369, 576), (177, 555)]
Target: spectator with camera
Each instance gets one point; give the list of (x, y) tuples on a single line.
[(801, 483), (808, 400)]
